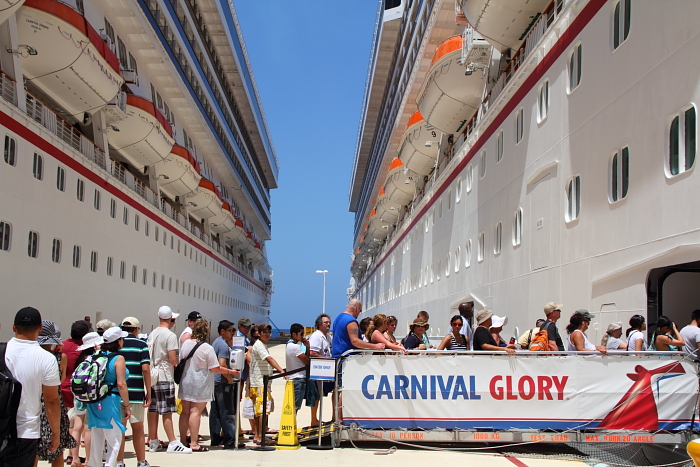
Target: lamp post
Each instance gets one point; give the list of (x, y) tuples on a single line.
[(324, 272)]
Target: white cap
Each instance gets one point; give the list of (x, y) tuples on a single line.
[(165, 312), (498, 321), (91, 339), (113, 334)]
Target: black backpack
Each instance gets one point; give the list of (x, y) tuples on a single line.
[(10, 393)]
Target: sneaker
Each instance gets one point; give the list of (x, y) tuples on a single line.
[(143, 464), (120, 464), (154, 445), (177, 447)]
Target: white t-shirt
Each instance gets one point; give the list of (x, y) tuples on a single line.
[(258, 365), (34, 367), (160, 342), (321, 343), (632, 341), (691, 336), (292, 353), (197, 384), (188, 330), (467, 331)]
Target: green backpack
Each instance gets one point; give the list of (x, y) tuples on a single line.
[(88, 382)]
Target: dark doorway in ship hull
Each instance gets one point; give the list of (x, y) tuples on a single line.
[(674, 292)]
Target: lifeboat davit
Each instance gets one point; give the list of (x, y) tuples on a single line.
[(399, 187), (387, 208), (236, 235), (504, 23), (64, 56), (8, 8), (449, 98), (144, 137), (223, 221), (205, 202), (419, 145), (178, 173)]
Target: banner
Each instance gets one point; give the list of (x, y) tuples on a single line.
[(467, 391)]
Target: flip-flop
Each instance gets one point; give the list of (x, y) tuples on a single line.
[(201, 449)]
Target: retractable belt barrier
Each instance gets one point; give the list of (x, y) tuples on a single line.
[(648, 397)]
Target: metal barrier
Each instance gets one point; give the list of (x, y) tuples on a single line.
[(492, 397)]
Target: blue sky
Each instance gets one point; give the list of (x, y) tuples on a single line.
[(310, 59)]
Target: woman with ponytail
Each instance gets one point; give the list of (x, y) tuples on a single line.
[(375, 333), (635, 334)]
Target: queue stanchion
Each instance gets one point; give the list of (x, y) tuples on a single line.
[(263, 436), (320, 370)]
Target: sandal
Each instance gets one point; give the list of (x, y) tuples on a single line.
[(200, 449)]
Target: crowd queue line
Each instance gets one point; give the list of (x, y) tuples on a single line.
[(140, 375)]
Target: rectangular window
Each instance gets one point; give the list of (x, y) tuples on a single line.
[(622, 19), (110, 265), (481, 247), (80, 6), (33, 244), (498, 237), (136, 222), (113, 209), (122, 270), (156, 233), (123, 59), (5, 234), (10, 151), (125, 216), (574, 68), (519, 123), (56, 251), (482, 164), (80, 190), (76, 256), (132, 63), (93, 261), (155, 277), (543, 102), (619, 174), (61, 179), (145, 276), (38, 166), (573, 198), (518, 227), (499, 147), (98, 199), (133, 273), (109, 30), (682, 142)]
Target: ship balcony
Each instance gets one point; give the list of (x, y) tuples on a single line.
[(223, 221), (205, 202), (419, 145), (63, 55), (178, 173), (142, 136), (451, 94), (8, 8)]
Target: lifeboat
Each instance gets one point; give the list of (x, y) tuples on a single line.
[(247, 245), (449, 97), (8, 8), (236, 235), (65, 57), (387, 208), (399, 187), (223, 221), (257, 253), (504, 23), (378, 229), (419, 145), (178, 173), (205, 202), (144, 137)]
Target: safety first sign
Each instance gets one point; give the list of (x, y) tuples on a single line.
[(625, 392)]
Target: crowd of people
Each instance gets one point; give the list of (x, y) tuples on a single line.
[(139, 375)]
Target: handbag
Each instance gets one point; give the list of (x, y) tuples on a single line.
[(180, 368), (248, 411)]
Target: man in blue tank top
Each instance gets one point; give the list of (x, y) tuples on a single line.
[(346, 331)]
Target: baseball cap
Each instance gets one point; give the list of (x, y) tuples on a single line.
[(194, 316), (49, 334), (585, 313), (28, 316), (113, 334), (245, 322), (79, 329), (91, 339), (104, 324), (130, 322), (551, 306), (165, 312), (483, 315)]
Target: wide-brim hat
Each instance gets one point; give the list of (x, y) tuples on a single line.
[(91, 339), (419, 322), (498, 321), (483, 315)]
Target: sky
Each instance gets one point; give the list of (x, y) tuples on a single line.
[(310, 61)]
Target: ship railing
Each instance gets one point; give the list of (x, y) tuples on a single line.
[(7, 88), (533, 37), (120, 172), (50, 120)]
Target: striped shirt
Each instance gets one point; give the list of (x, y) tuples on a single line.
[(135, 352)]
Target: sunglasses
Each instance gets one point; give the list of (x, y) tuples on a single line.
[(266, 332), (459, 325)]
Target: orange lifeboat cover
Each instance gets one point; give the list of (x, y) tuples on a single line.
[(382, 192), (447, 46), (395, 164), (415, 118)]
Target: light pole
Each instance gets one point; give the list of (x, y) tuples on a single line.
[(324, 272)]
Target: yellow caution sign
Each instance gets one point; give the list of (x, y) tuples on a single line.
[(693, 449), (287, 438)]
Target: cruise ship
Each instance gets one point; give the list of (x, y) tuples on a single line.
[(137, 162), (519, 152)]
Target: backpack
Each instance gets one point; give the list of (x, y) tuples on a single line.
[(180, 368), (88, 382), (10, 393), (540, 342)]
